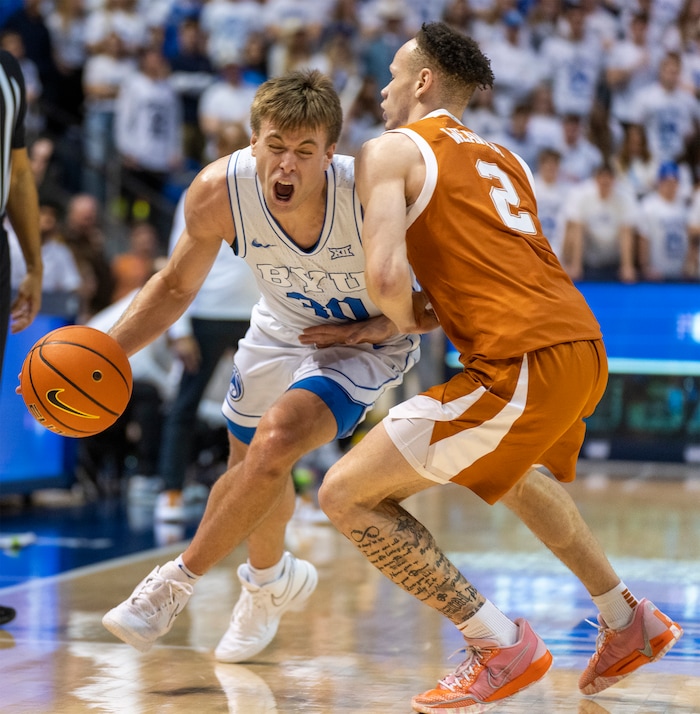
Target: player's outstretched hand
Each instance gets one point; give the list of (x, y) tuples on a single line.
[(374, 331)]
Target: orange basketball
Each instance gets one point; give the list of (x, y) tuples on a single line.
[(76, 381)]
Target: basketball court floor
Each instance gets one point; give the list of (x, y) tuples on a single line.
[(361, 645)]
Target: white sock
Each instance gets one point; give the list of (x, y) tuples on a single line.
[(616, 606), (265, 576), (491, 624), (177, 570)]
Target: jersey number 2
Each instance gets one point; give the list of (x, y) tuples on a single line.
[(505, 198)]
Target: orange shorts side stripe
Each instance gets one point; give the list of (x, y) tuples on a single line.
[(491, 423)]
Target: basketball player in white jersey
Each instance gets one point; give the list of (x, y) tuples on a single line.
[(288, 207)]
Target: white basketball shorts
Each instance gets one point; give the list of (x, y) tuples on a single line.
[(349, 378)]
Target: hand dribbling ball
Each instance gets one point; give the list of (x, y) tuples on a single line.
[(76, 381)]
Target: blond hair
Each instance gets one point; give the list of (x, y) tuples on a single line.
[(300, 99)]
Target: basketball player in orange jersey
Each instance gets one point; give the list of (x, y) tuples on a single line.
[(461, 213)]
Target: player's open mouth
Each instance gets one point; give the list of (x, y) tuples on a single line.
[(283, 190)]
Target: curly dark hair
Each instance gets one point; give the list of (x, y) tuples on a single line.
[(457, 56)]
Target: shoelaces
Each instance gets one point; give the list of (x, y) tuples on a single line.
[(465, 671), (163, 590)]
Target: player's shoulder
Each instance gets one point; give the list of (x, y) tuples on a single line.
[(208, 194), (212, 175), (393, 145)]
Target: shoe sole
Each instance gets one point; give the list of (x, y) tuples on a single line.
[(601, 683), (300, 600), (541, 667), (476, 708), (125, 635)]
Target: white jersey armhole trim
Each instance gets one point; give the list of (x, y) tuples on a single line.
[(527, 170), (431, 172), (234, 203)]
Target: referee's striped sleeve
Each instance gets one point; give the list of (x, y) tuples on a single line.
[(13, 109)]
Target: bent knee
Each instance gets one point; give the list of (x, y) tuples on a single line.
[(338, 495), (329, 493)]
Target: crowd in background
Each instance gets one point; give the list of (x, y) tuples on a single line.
[(127, 99), (600, 97)]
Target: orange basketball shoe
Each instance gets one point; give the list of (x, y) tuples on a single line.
[(489, 674), (620, 652)]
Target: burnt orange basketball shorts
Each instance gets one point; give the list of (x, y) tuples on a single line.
[(491, 423)]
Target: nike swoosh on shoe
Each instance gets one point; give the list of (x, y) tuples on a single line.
[(278, 600), (498, 679)]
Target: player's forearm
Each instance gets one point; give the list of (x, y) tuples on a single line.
[(152, 311), (393, 296)]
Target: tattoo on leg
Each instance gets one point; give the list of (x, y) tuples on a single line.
[(405, 551)]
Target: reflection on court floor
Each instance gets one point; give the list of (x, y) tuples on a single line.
[(361, 645)]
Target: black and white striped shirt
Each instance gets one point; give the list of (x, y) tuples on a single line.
[(13, 108)]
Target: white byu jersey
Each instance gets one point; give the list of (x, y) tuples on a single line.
[(301, 287)]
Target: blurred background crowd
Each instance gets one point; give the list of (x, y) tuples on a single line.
[(129, 99)]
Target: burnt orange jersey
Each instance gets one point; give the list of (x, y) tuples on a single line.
[(477, 249)]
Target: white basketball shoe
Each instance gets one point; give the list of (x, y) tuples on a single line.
[(259, 609), (150, 611)]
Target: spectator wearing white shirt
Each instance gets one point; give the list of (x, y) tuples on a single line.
[(61, 273), (227, 100), (363, 119), (516, 136), (579, 157), (665, 252), (635, 167), (148, 127), (481, 115), (662, 15), (551, 193), (668, 111), (386, 25), (516, 67), (684, 37), (459, 14), (599, 237), (295, 49), (121, 18), (545, 124), (602, 23), (632, 63), (103, 76), (542, 21), (573, 63), (229, 23), (314, 15)]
